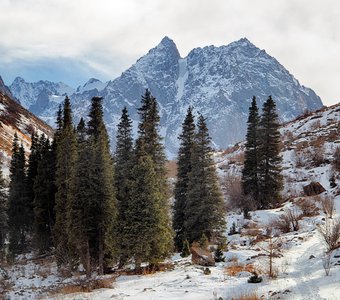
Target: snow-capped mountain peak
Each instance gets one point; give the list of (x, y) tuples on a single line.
[(219, 82)]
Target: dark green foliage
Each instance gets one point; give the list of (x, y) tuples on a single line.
[(66, 157), (184, 167), (3, 212), (207, 271), (92, 210), (32, 170), (233, 229), (44, 200), (204, 212), (81, 131), (18, 210), (123, 178), (203, 242), (270, 180), (148, 131), (332, 182), (250, 184), (185, 249), (148, 227), (148, 216), (255, 278), (218, 255)]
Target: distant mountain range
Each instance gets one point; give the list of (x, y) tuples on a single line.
[(218, 82)]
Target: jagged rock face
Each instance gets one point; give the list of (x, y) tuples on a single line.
[(5, 90), (40, 97), (218, 82)]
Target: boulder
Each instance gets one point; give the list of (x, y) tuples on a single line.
[(202, 257), (314, 188)]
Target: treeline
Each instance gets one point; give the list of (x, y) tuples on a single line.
[(76, 200)]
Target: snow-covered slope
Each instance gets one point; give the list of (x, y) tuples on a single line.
[(298, 264), (218, 82), (16, 119)]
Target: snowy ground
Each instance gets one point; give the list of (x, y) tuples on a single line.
[(300, 263)]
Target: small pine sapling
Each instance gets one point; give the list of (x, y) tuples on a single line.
[(185, 249), (203, 242), (219, 257), (233, 229), (255, 278)]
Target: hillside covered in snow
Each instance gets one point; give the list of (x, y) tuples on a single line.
[(300, 257)]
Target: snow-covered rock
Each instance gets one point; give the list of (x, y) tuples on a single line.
[(218, 82)]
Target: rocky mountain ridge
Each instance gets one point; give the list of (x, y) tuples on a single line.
[(218, 82)]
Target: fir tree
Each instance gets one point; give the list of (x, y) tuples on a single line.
[(44, 200), (81, 225), (185, 249), (3, 212), (204, 211), (184, 167), (218, 255), (150, 188), (66, 157), (17, 207), (148, 228), (250, 183), (270, 178), (148, 128), (123, 177), (100, 211)]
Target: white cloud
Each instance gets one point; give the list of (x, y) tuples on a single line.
[(109, 35)]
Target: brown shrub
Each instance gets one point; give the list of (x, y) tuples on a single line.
[(330, 234), (287, 222), (328, 205), (336, 160), (246, 296), (307, 207)]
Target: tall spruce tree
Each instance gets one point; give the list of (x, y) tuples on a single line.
[(270, 179), (204, 210), (3, 212), (17, 207), (123, 177), (81, 225), (184, 167), (250, 184), (103, 203), (148, 131), (32, 169), (66, 157), (44, 197), (152, 196)]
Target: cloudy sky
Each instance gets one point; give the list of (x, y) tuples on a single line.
[(73, 40)]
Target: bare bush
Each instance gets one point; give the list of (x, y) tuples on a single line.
[(326, 263), (288, 221), (317, 156), (299, 158), (336, 160), (237, 199), (328, 206), (330, 234), (308, 207), (272, 248)]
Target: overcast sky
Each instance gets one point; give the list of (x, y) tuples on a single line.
[(73, 40)]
